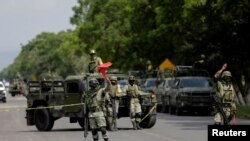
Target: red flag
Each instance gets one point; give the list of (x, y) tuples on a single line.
[(103, 68), (233, 122)]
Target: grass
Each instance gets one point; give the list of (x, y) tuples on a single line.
[(243, 112)]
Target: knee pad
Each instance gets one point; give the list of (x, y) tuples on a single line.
[(103, 130), (138, 115), (132, 115)]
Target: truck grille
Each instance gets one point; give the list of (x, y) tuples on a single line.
[(199, 97)]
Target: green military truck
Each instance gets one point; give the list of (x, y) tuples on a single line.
[(48, 101)]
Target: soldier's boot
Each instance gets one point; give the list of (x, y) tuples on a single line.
[(106, 139), (138, 126), (109, 124), (217, 123), (115, 128), (95, 139), (110, 128), (134, 125)]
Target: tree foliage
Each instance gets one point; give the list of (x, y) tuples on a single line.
[(128, 33)]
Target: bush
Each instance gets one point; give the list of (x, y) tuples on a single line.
[(243, 112)]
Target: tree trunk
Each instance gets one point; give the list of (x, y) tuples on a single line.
[(239, 95), (247, 96)]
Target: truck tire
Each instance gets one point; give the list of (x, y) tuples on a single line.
[(43, 120), (171, 110), (4, 100), (13, 94), (178, 111), (149, 121)]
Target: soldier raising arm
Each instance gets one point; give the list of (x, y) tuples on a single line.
[(219, 72), (227, 95), (96, 100)]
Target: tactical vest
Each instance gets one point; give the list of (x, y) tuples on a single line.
[(113, 90), (93, 65), (133, 91), (227, 93), (95, 101)]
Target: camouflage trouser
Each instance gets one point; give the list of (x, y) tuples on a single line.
[(110, 117), (229, 111), (97, 123), (135, 110), (117, 101)]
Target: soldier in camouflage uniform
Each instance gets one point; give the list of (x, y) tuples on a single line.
[(95, 61), (96, 100), (227, 95), (201, 63), (115, 94), (135, 106)]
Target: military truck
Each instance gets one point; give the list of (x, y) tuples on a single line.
[(15, 87), (48, 101)]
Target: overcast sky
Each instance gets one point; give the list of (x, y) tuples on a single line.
[(22, 20)]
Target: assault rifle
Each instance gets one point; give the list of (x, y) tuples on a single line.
[(219, 107), (114, 113), (85, 110)]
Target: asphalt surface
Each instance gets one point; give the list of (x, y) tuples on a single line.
[(167, 128)]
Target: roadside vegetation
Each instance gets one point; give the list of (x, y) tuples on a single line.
[(128, 33), (243, 112)]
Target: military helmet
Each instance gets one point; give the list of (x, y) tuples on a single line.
[(148, 62), (202, 56), (131, 80), (226, 74), (93, 83), (92, 51), (113, 78), (131, 77)]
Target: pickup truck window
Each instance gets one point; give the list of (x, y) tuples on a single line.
[(72, 87)]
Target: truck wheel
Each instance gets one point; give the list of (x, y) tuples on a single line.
[(171, 110), (178, 111), (149, 121), (4, 100), (43, 120), (13, 94)]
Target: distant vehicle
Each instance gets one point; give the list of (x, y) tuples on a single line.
[(2, 92), (15, 87), (162, 94), (150, 85), (190, 93), (123, 85), (189, 71), (7, 84)]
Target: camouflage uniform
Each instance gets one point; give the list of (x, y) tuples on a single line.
[(135, 106), (201, 63), (95, 61), (115, 94), (227, 95), (96, 101)]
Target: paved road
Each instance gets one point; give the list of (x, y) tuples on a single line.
[(168, 127)]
